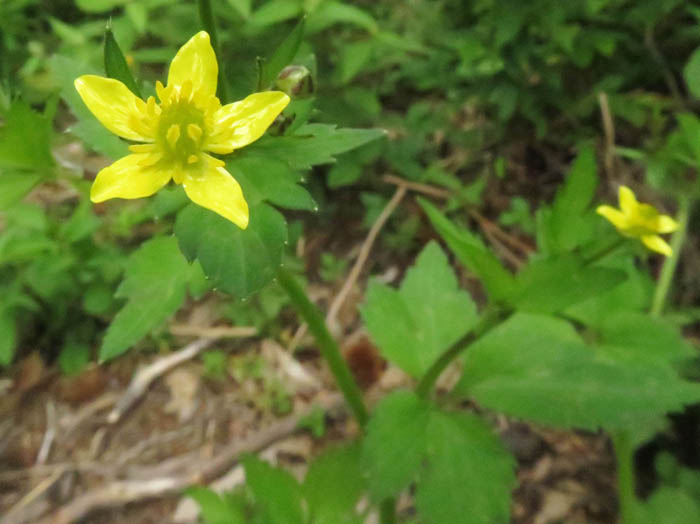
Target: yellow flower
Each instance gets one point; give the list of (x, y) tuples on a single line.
[(640, 220), (177, 133)]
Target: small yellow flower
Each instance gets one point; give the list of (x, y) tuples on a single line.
[(640, 220), (177, 133)]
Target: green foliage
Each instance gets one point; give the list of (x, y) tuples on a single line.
[(283, 56), (247, 260), (154, 286), (277, 494), (462, 472), (115, 63), (25, 139), (537, 368), (414, 325)]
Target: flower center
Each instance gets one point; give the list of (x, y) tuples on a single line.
[(180, 133)]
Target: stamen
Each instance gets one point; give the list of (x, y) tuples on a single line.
[(192, 159), (194, 132), (160, 91), (173, 135), (152, 107)]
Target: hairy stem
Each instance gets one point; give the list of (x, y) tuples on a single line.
[(326, 345), (489, 320), (663, 286), (207, 18)]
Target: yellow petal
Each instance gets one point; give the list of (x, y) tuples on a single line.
[(614, 216), (117, 108), (238, 124), (665, 224), (218, 191), (628, 202), (128, 178), (195, 61), (658, 244)]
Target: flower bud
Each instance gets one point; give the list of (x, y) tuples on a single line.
[(296, 81)]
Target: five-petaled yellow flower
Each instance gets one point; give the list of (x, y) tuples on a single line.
[(177, 134), (640, 220)]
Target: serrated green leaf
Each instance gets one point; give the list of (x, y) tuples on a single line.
[(115, 63), (333, 486), (469, 474), (154, 286), (276, 492), (691, 73), (549, 285), (271, 180), (312, 144), (25, 139), (88, 129), (471, 252), (535, 367), (217, 509), (569, 223), (282, 56), (240, 262), (14, 185), (415, 325), (393, 450)]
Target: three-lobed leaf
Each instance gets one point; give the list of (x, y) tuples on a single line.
[(240, 262), (416, 324), (154, 286)]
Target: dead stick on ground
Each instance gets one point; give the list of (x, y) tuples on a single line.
[(184, 330), (122, 492), (360, 261), (145, 376)]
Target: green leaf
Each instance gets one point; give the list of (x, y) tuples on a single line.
[(282, 56), (274, 12), (471, 252), (25, 139), (333, 486), (14, 185), (549, 285), (331, 12), (668, 505), (312, 144), (98, 6), (88, 128), (393, 450), (8, 340), (537, 368), (353, 57), (115, 63), (415, 325), (73, 358), (240, 262), (569, 222), (469, 474), (217, 509), (691, 73), (271, 180), (154, 285), (276, 492)]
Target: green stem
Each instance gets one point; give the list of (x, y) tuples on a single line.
[(624, 452), (668, 270), (207, 18), (489, 320), (326, 345)]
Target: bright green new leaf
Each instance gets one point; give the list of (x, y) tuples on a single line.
[(312, 144), (551, 284), (469, 474), (25, 139), (240, 262), (691, 73), (568, 223), (471, 252), (396, 442), (154, 286), (277, 494), (115, 63), (282, 56), (535, 367), (271, 180), (416, 324), (217, 509), (333, 486)]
